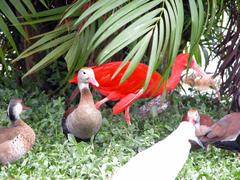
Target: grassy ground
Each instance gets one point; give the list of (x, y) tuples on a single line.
[(54, 157)]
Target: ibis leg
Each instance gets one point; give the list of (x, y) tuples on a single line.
[(101, 102), (127, 116)]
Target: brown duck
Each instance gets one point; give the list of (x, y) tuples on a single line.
[(83, 121), (224, 134), (18, 139)]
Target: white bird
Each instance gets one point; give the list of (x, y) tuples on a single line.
[(163, 160)]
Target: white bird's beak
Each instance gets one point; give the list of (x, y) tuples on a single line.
[(195, 138)]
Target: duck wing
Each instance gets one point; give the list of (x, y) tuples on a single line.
[(8, 133), (64, 118)]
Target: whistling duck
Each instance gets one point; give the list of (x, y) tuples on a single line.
[(18, 139), (201, 119), (163, 160), (83, 121), (224, 134)]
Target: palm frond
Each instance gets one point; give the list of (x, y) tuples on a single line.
[(150, 30)]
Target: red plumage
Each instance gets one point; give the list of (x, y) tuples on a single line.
[(132, 88)]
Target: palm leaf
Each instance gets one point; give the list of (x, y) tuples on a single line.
[(52, 56), (7, 33), (12, 18)]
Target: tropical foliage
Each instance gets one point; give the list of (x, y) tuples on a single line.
[(89, 32)]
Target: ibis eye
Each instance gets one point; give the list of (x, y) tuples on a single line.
[(84, 72)]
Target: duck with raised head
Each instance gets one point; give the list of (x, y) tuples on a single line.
[(224, 134), (84, 120), (17, 139)]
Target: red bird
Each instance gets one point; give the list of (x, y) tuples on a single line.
[(132, 88)]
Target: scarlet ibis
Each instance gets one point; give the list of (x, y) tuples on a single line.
[(163, 160), (83, 121), (202, 119), (224, 134), (18, 139), (132, 88)]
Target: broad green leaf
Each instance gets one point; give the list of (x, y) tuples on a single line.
[(61, 28), (48, 45), (49, 12), (2, 58), (20, 8), (73, 53), (90, 10), (127, 58), (153, 57), (101, 11), (112, 28), (132, 31), (73, 8), (29, 6), (12, 18), (201, 18), (194, 18), (44, 3), (52, 56), (166, 37), (40, 42), (5, 30), (112, 48), (115, 18), (179, 27), (45, 19), (172, 18), (137, 58)]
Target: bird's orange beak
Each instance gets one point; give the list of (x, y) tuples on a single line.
[(74, 79), (197, 68)]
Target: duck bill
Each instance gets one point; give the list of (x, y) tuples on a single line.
[(25, 107), (198, 70), (93, 81)]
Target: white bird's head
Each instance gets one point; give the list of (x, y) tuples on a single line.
[(86, 76), (15, 108)]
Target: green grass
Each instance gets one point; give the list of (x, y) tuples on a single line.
[(54, 157)]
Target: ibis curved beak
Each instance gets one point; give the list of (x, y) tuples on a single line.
[(198, 69)]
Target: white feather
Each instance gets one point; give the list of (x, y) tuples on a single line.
[(163, 160), (17, 109)]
